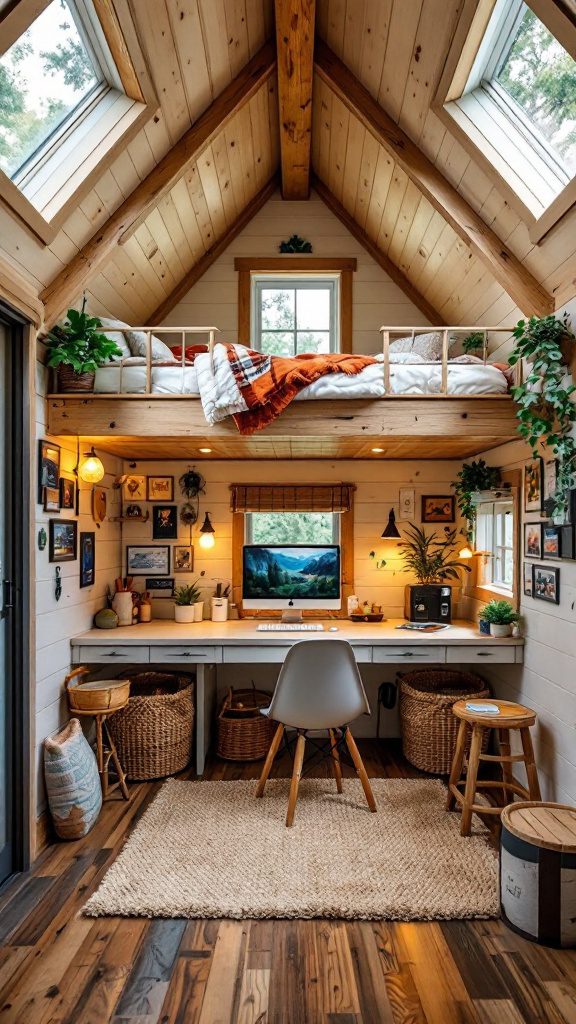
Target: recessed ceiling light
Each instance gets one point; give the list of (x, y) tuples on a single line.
[(377, 450), (205, 451)]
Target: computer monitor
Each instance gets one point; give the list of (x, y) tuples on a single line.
[(291, 578)]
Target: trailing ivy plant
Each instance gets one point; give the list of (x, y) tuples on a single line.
[(474, 476), (547, 412)]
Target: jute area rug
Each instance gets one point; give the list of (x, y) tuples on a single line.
[(210, 849)]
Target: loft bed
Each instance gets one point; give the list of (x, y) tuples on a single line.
[(149, 406)]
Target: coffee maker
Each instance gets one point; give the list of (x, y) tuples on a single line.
[(428, 602)]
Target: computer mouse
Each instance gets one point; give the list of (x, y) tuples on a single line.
[(333, 629)]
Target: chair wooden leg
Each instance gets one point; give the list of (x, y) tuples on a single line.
[(531, 769), (277, 739), (116, 762), (360, 770), (337, 767), (296, 773), (471, 777), (100, 756), (457, 762), (507, 774)]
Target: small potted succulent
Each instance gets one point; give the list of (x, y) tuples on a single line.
[(501, 616), (76, 349), (186, 601)]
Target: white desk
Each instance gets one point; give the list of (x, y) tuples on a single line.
[(207, 644)]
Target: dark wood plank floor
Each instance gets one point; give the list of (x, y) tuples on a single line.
[(57, 967)]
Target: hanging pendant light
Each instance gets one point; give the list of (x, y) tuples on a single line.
[(91, 469), (391, 531), (207, 532)]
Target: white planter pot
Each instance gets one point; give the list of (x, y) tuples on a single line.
[(219, 609), (198, 611), (123, 605), (184, 612), (497, 629)]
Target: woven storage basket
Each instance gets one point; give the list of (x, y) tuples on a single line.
[(69, 380), (428, 726), (153, 733), (243, 733)]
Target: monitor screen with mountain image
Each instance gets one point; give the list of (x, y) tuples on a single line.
[(278, 576)]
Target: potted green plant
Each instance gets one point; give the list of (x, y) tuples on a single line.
[(76, 349), (473, 343), (473, 477), (430, 557), (186, 600), (501, 616)]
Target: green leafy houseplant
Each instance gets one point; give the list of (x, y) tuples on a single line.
[(474, 476), (473, 342), (501, 613), (76, 349), (188, 594), (546, 410), (430, 557)]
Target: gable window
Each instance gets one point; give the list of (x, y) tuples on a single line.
[(510, 92), (295, 315), (64, 105), (495, 538)]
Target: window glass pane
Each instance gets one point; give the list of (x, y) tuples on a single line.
[(313, 341), (313, 309), (508, 529), (292, 527), (277, 305), (541, 76), (43, 77), (277, 343)]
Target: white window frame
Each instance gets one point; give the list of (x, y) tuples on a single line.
[(490, 537), (297, 282), (248, 526), (492, 126)]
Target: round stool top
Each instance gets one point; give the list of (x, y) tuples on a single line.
[(548, 825), (101, 684), (510, 715)]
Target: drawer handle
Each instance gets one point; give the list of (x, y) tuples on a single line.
[(114, 654), (484, 654), (186, 654)]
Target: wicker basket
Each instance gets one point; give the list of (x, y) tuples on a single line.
[(153, 733), (243, 733), (101, 696), (428, 726), (69, 380)]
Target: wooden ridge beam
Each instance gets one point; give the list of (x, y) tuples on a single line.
[(214, 252), (73, 278), (380, 257), (295, 62), (514, 277)]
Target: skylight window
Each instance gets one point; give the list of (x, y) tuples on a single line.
[(45, 77)]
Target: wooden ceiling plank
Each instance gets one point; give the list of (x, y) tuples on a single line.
[(515, 278), (213, 253), (133, 211), (295, 48), (396, 275)]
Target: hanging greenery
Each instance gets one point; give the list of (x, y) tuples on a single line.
[(474, 476), (295, 244), (546, 410)]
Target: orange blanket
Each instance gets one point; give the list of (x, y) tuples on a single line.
[(269, 383)]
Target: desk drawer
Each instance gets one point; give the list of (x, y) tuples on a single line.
[(412, 655), (115, 655), (185, 654), (264, 655), (483, 654)]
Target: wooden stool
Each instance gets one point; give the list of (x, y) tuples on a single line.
[(106, 752), (512, 716), (98, 700)]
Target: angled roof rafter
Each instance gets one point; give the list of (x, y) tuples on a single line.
[(295, 50)]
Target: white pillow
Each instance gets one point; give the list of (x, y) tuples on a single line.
[(429, 346), (138, 342), (401, 357), (119, 339)]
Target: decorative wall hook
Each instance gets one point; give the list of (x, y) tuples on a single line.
[(58, 587), (42, 539)]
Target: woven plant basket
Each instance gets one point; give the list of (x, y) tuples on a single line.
[(243, 733), (69, 380), (153, 733), (429, 728)]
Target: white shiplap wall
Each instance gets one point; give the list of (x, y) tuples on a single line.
[(377, 300)]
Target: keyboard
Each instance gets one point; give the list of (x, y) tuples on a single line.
[(290, 627)]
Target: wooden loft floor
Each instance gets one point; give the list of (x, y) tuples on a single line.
[(404, 427)]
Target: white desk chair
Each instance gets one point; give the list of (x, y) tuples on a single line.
[(319, 687)]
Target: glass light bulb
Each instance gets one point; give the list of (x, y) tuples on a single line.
[(466, 552), (91, 471), (206, 540)]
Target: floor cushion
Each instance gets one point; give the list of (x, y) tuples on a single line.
[(72, 781)]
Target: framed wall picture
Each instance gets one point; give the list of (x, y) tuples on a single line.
[(183, 558), (549, 479), (438, 508), (533, 486), (567, 542), (48, 467), (165, 522), (142, 559), (160, 586), (547, 584), (134, 488), (551, 541), (67, 494), (51, 499), (528, 578), (532, 540), (87, 559), (160, 488), (63, 534), (407, 503)]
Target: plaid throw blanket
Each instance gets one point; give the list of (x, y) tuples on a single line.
[(269, 383)]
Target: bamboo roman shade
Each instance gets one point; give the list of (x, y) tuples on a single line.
[(291, 497)]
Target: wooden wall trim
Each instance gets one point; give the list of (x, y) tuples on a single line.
[(295, 49), (294, 264), (20, 294), (515, 278)]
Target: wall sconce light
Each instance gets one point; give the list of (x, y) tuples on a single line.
[(207, 533), (91, 469), (466, 552), (391, 531)]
